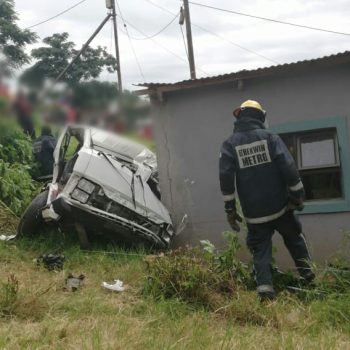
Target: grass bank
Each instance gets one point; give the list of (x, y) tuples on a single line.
[(45, 316)]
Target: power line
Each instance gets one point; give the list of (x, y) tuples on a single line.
[(160, 31), (151, 38), (162, 46), (235, 44), (157, 33), (57, 15), (184, 41), (219, 36), (131, 44), (135, 55), (269, 19)]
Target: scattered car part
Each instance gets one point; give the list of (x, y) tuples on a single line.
[(8, 222), (74, 283), (7, 238), (118, 286), (105, 183), (51, 261)]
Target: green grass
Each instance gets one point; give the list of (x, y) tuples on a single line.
[(45, 316)]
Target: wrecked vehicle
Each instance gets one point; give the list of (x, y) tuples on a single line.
[(105, 184)]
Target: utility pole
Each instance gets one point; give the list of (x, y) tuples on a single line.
[(189, 40), (110, 4), (83, 48)]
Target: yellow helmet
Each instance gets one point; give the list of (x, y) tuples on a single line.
[(248, 104)]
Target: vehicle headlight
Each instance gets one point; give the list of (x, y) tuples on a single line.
[(80, 195), (86, 186)]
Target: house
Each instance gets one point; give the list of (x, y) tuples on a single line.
[(308, 105)]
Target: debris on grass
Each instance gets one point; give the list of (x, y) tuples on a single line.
[(117, 286), (74, 283), (7, 238), (8, 222), (51, 262)]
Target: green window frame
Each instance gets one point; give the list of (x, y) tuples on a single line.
[(341, 126)]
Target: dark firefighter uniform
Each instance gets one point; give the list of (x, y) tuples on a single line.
[(269, 188), (43, 148)]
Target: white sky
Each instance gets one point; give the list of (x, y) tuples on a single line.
[(213, 56)]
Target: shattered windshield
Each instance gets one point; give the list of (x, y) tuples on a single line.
[(108, 141)]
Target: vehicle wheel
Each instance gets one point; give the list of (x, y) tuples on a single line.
[(32, 220)]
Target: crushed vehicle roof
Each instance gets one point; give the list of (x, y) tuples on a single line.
[(117, 143)]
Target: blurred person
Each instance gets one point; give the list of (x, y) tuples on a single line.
[(71, 113), (4, 91), (23, 110), (43, 148)]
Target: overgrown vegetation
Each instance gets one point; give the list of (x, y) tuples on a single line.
[(16, 167), (217, 281), (8, 295), (201, 276), (41, 314), (15, 146), (193, 298)]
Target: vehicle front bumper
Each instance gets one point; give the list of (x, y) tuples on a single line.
[(101, 222)]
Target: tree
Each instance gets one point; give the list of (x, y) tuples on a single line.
[(58, 52), (94, 94), (13, 39)]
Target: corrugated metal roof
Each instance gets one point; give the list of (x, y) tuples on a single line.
[(340, 58)]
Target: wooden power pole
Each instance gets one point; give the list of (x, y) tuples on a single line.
[(189, 40), (111, 4)]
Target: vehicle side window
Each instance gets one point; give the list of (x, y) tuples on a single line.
[(72, 148), (64, 145), (69, 147)]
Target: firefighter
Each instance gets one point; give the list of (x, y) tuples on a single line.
[(43, 148), (269, 190)]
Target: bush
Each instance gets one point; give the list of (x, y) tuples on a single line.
[(200, 276), (25, 305), (17, 188), (16, 167), (220, 282), (15, 146), (8, 296)]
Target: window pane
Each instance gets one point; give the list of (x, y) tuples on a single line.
[(322, 184), (317, 150)]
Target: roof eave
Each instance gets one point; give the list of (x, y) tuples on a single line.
[(290, 68)]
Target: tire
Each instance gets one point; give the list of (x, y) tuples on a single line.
[(32, 220)]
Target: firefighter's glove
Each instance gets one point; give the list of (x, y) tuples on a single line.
[(232, 218), (295, 204)]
